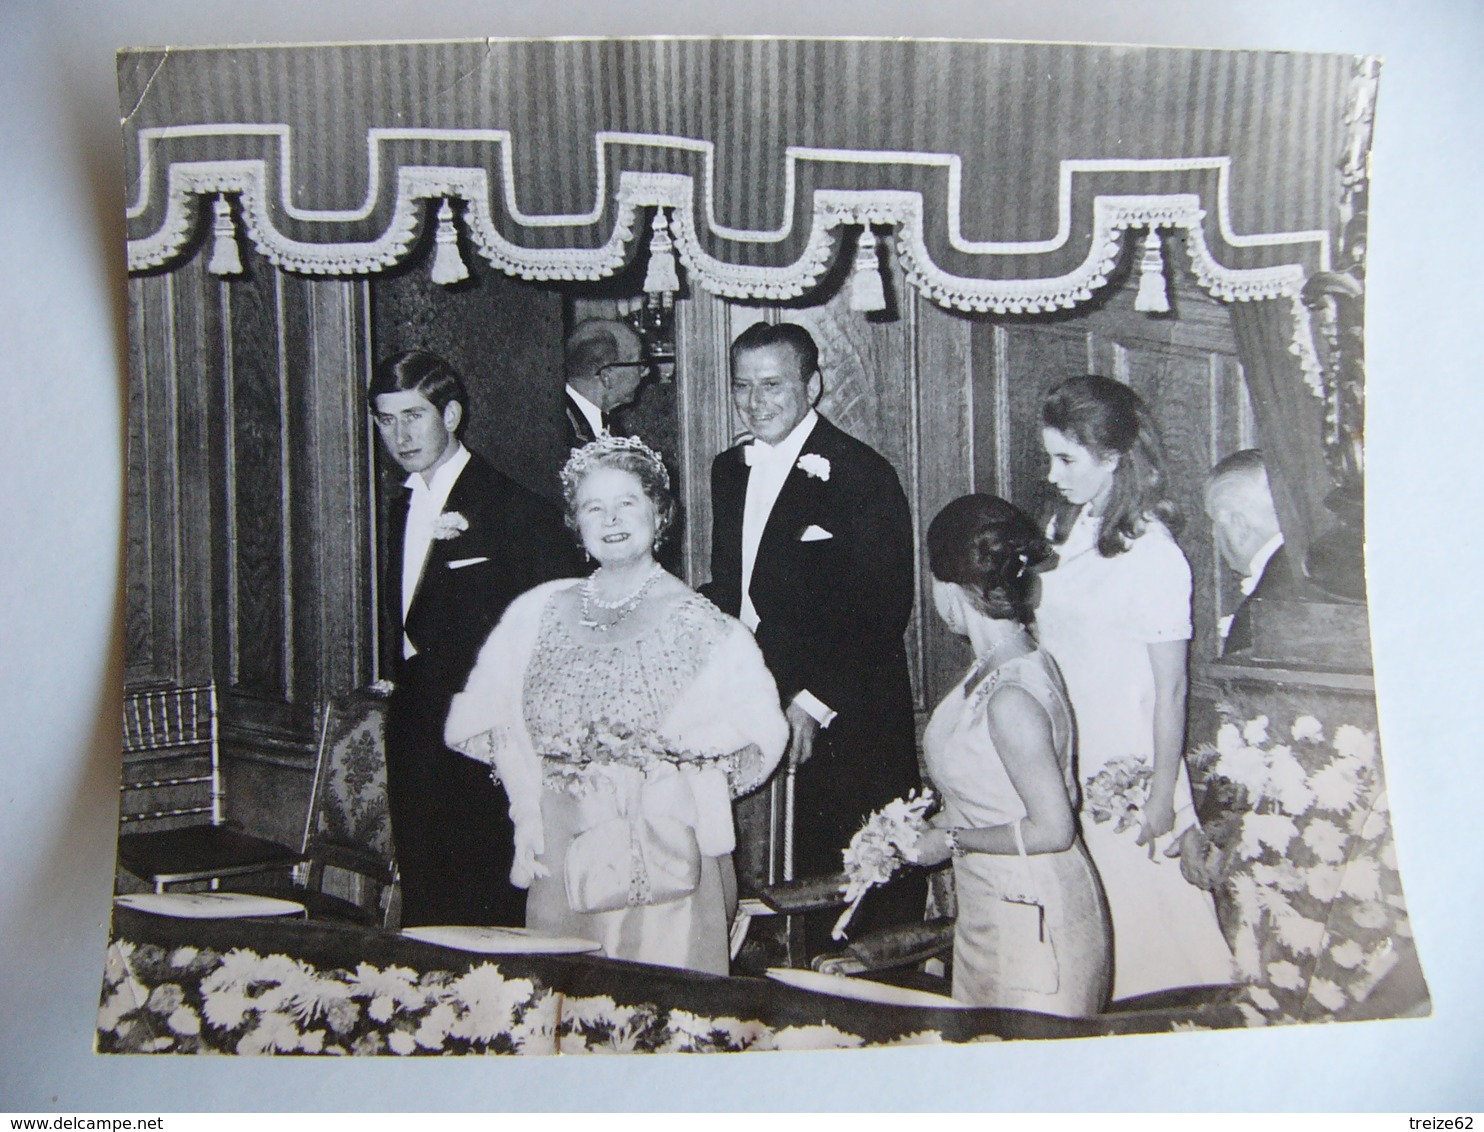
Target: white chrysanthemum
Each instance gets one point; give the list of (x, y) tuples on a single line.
[(1285, 875), (1263, 998), (1274, 831), (572, 1042), (238, 968), (1253, 1016), (274, 1033), (1327, 994), (387, 989), (1255, 731), (1307, 729), (401, 1042), (1284, 974), (1377, 822), (1288, 782), (490, 1001), (535, 1033), (1299, 934), (1353, 743), (1323, 882), (595, 1010), (184, 1021), (1335, 786), (225, 1009), (435, 1026), (1362, 879), (312, 1041), (183, 956), (687, 1031), (822, 1036), (125, 1000), (1326, 839), (1247, 767), (1347, 954), (1229, 738), (314, 996), (1370, 914)]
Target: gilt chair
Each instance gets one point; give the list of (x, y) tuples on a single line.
[(172, 824)]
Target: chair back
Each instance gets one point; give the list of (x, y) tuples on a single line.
[(348, 827), (172, 759)]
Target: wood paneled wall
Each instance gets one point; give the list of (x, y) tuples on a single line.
[(249, 518), (1183, 364), (251, 497)]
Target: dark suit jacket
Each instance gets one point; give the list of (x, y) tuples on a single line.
[(521, 541), (579, 432), (832, 614), (1277, 582)]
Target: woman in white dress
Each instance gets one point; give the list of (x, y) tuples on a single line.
[(623, 713), (1032, 928), (1115, 613)]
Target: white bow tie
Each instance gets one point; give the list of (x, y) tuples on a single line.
[(760, 455)]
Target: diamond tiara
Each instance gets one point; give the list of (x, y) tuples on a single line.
[(582, 459)]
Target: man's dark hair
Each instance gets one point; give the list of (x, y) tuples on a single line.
[(418, 371), (798, 340)]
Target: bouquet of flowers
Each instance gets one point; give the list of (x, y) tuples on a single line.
[(880, 848), (1120, 791)]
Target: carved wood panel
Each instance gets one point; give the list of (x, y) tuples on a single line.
[(1183, 365)]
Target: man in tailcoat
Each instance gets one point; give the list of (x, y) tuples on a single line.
[(1239, 503), (812, 550), (604, 372), (462, 542)]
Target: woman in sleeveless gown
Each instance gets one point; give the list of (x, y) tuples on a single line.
[(1115, 613), (1031, 931), (623, 713)]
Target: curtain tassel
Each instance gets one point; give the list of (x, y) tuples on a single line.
[(867, 292), (1153, 298), (448, 265), (661, 277), (226, 257)]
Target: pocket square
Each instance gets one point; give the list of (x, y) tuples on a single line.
[(814, 533), (460, 563)]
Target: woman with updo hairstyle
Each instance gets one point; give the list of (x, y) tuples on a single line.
[(623, 712), (1115, 613), (1031, 931)]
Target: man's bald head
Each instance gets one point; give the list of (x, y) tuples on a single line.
[(1239, 503)]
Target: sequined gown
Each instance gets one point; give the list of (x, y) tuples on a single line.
[(693, 684)]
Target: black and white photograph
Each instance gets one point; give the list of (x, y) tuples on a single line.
[(811, 541), (686, 545)]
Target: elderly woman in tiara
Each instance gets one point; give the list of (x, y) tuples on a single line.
[(623, 712)]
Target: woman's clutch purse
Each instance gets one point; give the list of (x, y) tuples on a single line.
[(623, 864)]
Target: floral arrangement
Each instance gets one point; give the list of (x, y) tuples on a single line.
[(1120, 791), (1311, 899), (191, 1000), (570, 759), (880, 847), (196, 1000)]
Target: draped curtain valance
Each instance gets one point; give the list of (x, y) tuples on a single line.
[(1006, 172)]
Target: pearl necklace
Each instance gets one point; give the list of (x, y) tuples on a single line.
[(624, 606)]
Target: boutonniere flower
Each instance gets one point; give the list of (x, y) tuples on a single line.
[(450, 524), (815, 465)]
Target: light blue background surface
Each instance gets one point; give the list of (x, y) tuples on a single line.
[(62, 365)]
